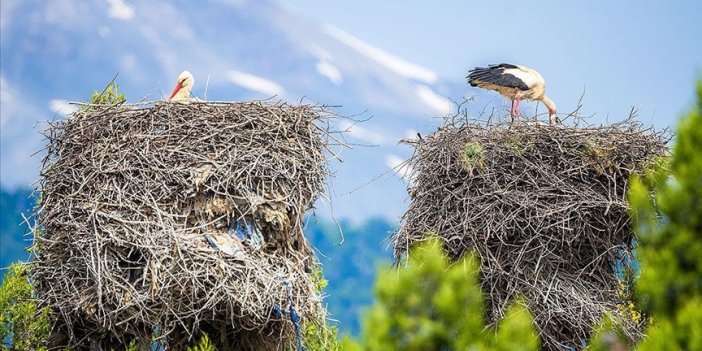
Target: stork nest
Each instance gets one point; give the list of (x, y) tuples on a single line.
[(545, 208), (133, 198)]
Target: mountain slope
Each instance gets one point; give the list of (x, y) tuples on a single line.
[(63, 50), (13, 241)]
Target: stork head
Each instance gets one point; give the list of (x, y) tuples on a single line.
[(184, 84), (551, 106)]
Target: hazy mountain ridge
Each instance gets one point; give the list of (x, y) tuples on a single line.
[(60, 51), (54, 52), (13, 241)]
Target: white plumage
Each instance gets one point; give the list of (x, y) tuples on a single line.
[(515, 82), (181, 92)]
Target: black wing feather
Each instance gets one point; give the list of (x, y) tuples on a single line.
[(504, 65), (495, 74)]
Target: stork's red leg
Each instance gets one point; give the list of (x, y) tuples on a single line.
[(516, 108), (511, 111)]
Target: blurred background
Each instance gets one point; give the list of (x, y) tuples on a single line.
[(398, 66)]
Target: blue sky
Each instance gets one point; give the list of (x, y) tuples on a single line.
[(644, 54), (398, 62)]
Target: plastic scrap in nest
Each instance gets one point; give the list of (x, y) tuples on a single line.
[(544, 208), (176, 217)]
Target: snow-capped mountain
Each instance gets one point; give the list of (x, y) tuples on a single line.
[(59, 51)]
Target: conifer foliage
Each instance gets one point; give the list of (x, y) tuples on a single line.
[(669, 228), (666, 206), (432, 304)]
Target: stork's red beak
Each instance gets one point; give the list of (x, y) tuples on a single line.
[(175, 90)]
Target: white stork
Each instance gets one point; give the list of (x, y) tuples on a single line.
[(515, 82), (181, 92)]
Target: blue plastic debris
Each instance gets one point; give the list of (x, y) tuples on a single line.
[(288, 289), (213, 242), (256, 236), (295, 318), (223, 248), (232, 226), (277, 311), (244, 228)]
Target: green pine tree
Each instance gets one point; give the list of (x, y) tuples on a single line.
[(22, 322), (319, 335), (670, 251), (667, 212), (432, 304)]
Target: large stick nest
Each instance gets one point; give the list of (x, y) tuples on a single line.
[(544, 208), (133, 198)]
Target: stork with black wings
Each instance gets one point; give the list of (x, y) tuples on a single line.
[(515, 82)]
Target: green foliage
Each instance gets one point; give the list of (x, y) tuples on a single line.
[(21, 319), (519, 142), (601, 154), (111, 95), (595, 150), (473, 156), (667, 213), (608, 336), (432, 304), (132, 346), (670, 252), (320, 337), (318, 278), (516, 331), (348, 344), (204, 344)]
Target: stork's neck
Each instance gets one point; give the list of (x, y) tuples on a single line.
[(182, 95), (549, 104)]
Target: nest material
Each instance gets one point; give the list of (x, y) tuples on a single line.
[(130, 196), (545, 209)]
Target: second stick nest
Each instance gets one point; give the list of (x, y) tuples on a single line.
[(544, 208)]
